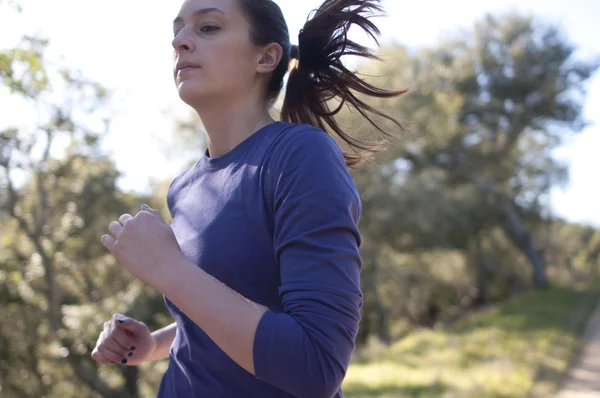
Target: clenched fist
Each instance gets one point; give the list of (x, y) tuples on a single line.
[(123, 341), (145, 245)]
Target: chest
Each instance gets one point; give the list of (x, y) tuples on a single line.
[(224, 225)]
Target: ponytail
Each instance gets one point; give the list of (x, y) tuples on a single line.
[(320, 76)]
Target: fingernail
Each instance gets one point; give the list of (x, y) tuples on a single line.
[(123, 361), (130, 354), (132, 348)]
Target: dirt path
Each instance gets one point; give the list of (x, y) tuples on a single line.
[(583, 380)]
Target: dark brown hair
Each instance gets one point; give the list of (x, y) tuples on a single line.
[(320, 75)]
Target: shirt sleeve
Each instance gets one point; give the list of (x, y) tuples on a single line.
[(305, 349)]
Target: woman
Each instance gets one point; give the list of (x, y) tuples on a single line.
[(260, 265)]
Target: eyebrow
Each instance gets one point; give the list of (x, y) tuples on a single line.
[(202, 11)]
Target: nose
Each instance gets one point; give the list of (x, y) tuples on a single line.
[(182, 44)]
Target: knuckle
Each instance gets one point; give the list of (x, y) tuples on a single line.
[(120, 341), (105, 352), (114, 336), (113, 345)]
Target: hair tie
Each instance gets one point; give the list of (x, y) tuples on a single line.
[(294, 52)]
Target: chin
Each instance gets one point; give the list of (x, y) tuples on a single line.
[(191, 92)]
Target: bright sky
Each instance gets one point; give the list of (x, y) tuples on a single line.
[(126, 45)]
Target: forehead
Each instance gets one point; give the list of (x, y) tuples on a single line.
[(190, 7)]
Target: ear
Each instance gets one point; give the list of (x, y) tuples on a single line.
[(270, 57)]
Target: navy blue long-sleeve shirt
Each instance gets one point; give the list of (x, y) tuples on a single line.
[(276, 220)]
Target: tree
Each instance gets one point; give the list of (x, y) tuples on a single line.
[(485, 113), (58, 284)]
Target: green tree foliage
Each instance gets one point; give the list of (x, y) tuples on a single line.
[(485, 112), (57, 282)]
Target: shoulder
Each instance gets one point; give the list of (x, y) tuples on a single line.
[(303, 143), (306, 162)]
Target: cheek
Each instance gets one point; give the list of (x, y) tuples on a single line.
[(231, 65)]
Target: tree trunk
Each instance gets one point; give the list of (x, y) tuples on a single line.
[(382, 321), (374, 315), (482, 279), (364, 331), (131, 374), (366, 322), (518, 234), (86, 374)]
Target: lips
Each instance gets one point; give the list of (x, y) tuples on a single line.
[(185, 66)]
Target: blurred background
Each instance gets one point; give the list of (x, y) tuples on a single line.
[(481, 233)]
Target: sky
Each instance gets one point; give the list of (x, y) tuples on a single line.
[(126, 46)]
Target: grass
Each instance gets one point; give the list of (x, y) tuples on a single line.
[(518, 349)]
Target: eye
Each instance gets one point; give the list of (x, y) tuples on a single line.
[(209, 28)]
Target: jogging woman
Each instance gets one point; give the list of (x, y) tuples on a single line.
[(260, 266)]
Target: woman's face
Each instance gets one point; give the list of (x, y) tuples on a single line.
[(214, 58)]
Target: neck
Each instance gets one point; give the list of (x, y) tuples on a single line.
[(230, 122)]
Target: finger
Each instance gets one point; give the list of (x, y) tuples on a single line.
[(98, 357), (119, 334), (112, 344), (115, 228), (111, 355), (131, 325), (125, 218), (105, 331), (123, 339), (151, 210), (109, 242)]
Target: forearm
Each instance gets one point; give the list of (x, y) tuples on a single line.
[(163, 338), (318, 332), (229, 319)]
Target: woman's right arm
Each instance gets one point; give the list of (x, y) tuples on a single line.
[(163, 338)]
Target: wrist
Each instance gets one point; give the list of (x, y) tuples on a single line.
[(153, 345), (170, 282), (162, 339)]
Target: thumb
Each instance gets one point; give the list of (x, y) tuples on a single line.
[(131, 325)]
